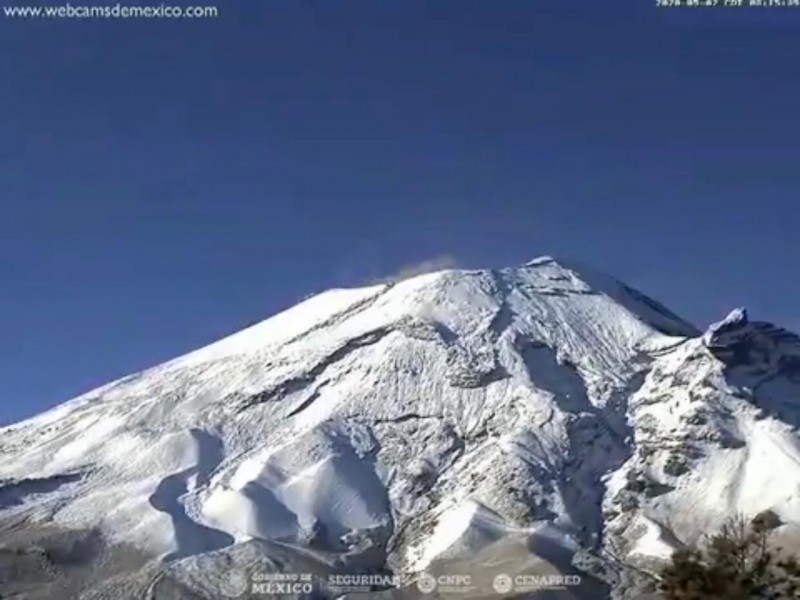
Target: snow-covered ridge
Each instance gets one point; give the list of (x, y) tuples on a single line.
[(403, 424), (740, 342)]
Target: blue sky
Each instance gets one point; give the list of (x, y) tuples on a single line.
[(163, 183)]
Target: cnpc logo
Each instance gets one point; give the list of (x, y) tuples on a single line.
[(427, 583)]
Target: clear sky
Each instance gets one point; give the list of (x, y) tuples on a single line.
[(163, 183)]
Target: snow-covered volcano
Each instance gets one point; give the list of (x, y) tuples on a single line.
[(540, 417)]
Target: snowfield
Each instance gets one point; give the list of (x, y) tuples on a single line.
[(401, 426)]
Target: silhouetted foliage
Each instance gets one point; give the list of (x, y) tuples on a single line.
[(738, 563)]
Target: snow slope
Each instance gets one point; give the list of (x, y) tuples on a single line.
[(425, 420)]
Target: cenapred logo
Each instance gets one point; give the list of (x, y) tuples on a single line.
[(503, 583)]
